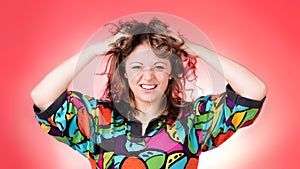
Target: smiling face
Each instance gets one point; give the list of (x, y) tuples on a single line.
[(139, 78), (147, 74)]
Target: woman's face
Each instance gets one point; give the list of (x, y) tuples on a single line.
[(147, 74)]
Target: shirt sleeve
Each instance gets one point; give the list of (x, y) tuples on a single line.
[(220, 116), (68, 120)]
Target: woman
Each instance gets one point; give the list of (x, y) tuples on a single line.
[(144, 119)]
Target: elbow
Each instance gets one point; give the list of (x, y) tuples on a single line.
[(33, 95), (37, 99), (257, 91), (261, 91)]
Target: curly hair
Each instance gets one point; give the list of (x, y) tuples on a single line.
[(155, 33)]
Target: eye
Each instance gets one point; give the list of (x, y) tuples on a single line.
[(136, 67), (159, 67)]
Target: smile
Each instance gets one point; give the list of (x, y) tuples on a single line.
[(148, 86)]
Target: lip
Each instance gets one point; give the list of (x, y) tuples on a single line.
[(148, 87)]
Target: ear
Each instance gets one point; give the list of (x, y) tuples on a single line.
[(125, 75), (170, 77)]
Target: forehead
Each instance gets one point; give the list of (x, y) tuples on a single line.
[(143, 53)]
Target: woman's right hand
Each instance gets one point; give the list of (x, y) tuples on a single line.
[(101, 48)]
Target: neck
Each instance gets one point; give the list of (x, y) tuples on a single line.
[(148, 111)]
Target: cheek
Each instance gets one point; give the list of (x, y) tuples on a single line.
[(163, 79), (133, 77)]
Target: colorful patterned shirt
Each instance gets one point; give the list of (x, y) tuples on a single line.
[(109, 140)]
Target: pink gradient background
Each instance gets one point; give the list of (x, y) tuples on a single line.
[(36, 36)]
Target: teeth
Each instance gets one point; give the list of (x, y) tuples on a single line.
[(148, 87)]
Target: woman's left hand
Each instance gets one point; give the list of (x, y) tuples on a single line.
[(187, 45), (189, 48)]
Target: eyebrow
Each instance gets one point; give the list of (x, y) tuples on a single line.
[(153, 64), (160, 62), (135, 62)]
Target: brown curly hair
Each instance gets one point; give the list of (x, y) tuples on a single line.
[(155, 33)]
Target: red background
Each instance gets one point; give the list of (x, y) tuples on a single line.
[(36, 36)]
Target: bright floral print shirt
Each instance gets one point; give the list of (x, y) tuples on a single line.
[(109, 140)]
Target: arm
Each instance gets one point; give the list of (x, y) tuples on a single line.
[(243, 81), (57, 81)]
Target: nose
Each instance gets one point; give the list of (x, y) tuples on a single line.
[(148, 74)]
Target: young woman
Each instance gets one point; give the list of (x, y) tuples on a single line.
[(144, 119)]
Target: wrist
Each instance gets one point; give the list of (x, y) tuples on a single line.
[(96, 49)]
